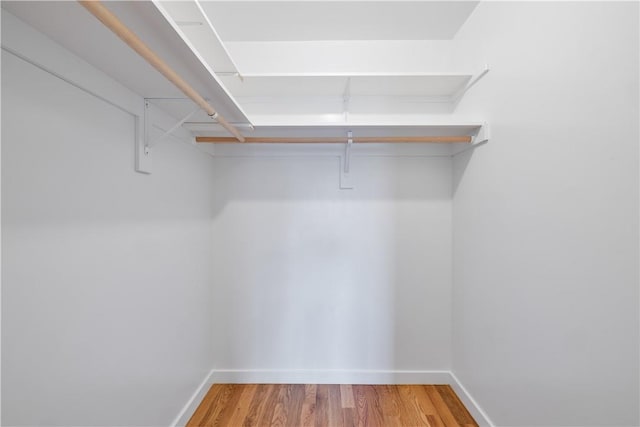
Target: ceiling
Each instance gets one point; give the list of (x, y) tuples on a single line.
[(337, 20)]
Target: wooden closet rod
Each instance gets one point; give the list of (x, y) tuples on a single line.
[(343, 140), (129, 37)]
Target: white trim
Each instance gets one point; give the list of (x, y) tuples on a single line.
[(192, 404), (470, 403), (329, 376)]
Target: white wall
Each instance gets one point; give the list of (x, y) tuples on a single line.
[(310, 277), (106, 277), (356, 56), (546, 217)]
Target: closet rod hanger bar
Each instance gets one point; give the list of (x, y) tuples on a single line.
[(129, 37), (341, 140)]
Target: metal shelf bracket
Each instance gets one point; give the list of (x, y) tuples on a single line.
[(457, 97), (345, 164), (480, 138), (150, 144), (148, 123)]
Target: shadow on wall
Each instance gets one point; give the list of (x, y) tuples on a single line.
[(309, 276), (459, 166), (312, 176)]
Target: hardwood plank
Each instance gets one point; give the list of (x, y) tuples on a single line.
[(392, 406), (206, 406), (322, 405), (308, 415), (374, 409), (222, 399), (229, 408), (243, 405), (335, 406), (257, 407), (444, 412), (270, 406), (296, 400), (281, 410), (348, 417), (427, 408), (413, 413), (434, 420), (346, 396), (360, 399), (455, 405)]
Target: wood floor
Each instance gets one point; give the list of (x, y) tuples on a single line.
[(296, 405)]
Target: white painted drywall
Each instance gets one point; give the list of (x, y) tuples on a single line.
[(356, 56), (106, 274), (310, 277), (300, 21), (545, 302)]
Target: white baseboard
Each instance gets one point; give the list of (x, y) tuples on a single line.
[(192, 404), (329, 376), (244, 376), (470, 403)]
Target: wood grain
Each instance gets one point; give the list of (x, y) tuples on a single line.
[(257, 407), (261, 405), (441, 407), (308, 416)]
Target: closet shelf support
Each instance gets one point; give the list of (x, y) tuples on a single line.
[(150, 144), (345, 164), (97, 9), (347, 152), (455, 99), (480, 138)]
